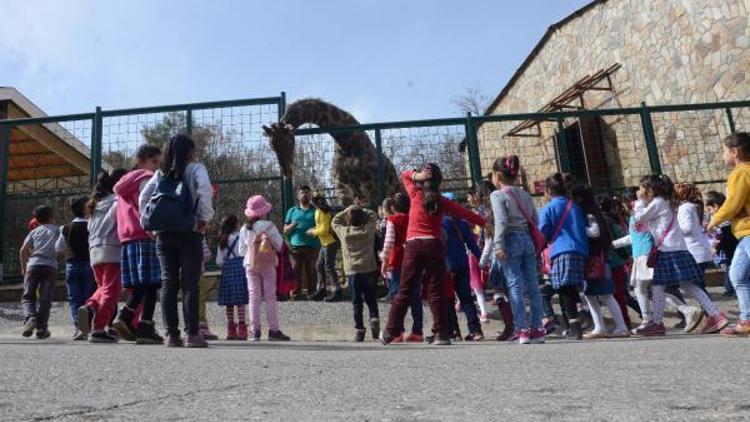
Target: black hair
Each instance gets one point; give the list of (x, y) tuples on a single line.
[(585, 197), (661, 185), (228, 226), (305, 188), (557, 185), (741, 141), (630, 194), (715, 199), (147, 152), (319, 202), (509, 167), (78, 206), (43, 214), (431, 190), (356, 217), (401, 203), (387, 205), (104, 187), (179, 149)]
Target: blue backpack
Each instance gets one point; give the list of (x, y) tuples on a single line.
[(171, 207)]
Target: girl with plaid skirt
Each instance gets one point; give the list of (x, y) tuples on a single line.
[(674, 265), (233, 290), (139, 267)]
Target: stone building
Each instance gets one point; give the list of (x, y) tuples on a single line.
[(616, 54)]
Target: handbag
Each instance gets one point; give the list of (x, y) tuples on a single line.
[(653, 254), (540, 242), (546, 260)]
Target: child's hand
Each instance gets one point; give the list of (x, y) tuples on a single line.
[(310, 233), (501, 255)]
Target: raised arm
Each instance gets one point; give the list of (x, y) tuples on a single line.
[(645, 213), (408, 181), (456, 210)]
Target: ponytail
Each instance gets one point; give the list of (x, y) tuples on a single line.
[(104, 187), (431, 190)]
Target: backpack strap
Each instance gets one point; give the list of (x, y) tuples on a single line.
[(517, 200), (230, 253), (666, 232), (562, 221)]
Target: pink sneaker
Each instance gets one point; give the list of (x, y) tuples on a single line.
[(414, 338), (537, 335), (398, 339), (652, 329), (524, 336), (741, 329), (715, 324)]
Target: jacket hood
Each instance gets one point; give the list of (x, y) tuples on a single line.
[(105, 204), (131, 182)]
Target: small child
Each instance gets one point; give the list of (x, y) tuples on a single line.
[(38, 267), (690, 221), (326, 263), (260, 243), (477, 276), (356, 228), (79, 279), (724, 241), (233, 291)]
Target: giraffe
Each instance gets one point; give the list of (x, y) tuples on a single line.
[(355, 161)]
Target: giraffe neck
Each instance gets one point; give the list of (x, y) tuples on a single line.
[(323, 114)]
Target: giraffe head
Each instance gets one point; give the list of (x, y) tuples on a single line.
[(281, 138)]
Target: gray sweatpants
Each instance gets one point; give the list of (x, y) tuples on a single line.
[(42, 278)]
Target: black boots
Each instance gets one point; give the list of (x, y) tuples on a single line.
[(507, 315), (124, 324)]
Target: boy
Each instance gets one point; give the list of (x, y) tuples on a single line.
[(724, 241), (356, 228), (38, 266)]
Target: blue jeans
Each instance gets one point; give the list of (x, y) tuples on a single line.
[(417, 313), (739, 273), (79, 278), (363, 291), (520, 269), (463, 290)]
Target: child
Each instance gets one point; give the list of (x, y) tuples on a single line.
[(105, 251), (563, 224), (737, 156), (356, 228), (180, 249), (205, 285), (38, 267), (477, 276), (690, 220), (260, 243), (599, 286), (724, 241), (79, 279), (515, 214), (139, 263), (326, 264), (397, 222), (233, 288), (424, 253), (674, 265)]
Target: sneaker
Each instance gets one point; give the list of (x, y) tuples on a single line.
[(398, 339), (85, 316), (277, 336), (478, 336), (124, 324), (43, 334), (457, 335), (231, 331), (385, 338), (682, 324), (196, 342), (175, 341), (593, 335), (255, 337), (524, 336), (441, 341), (242, 332), (714, 324), (102, 337), (414, 338), (550, 326), (375, 328), (643, 325), (741, 329), (113, 333), (537, 335), (574, 331), (693, 317), (652, 329), (29, 327), (206, 332), (484, 318), (146, 334), (359, 335), (78, 336), (429, 339)]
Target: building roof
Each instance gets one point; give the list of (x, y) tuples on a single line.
[(546, 37)]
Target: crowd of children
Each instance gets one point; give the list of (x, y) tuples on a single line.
[(144, 231)]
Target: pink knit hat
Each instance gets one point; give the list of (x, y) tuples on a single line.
[(257, 206)]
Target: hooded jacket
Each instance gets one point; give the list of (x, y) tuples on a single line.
[(128, 190), (357, 243), (103, 241)]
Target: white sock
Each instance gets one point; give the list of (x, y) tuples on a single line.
[(596, 314), (614, 309), (480, 301)]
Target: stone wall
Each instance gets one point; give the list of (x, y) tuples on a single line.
[(671, 52)]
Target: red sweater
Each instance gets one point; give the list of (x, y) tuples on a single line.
[(421, 223), (400, 223)]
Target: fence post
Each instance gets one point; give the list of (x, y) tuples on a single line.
[(381, 167), (730, 120), (562, 147), (648, 134), (96, 146), (189, 121), (472, 147), (286, 184), (4, 162)]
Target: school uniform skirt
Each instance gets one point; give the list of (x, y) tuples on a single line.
[(233, 285), (568, 269), (673, 268), (641, 271), (139, 264), (605, 286)]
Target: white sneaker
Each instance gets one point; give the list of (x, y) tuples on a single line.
[(693, 318)]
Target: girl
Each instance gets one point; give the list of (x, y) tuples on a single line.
[(673, 265), (737, 156), (329, 243), (599, 236), (477, 276), (233, 289), (257, 237), (104, 250), (424, 253), (180, 251), (563, 224), (690, 220), (139, 264), (515, 214), (618, 259)]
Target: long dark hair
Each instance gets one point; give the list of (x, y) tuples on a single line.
[(431, 190), (319, 202), (661, 185), (179, 149), (585, 197), (229, 225), (146, 152), (104, 187)]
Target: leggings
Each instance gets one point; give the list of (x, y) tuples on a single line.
[(569, 299), (148, 294)]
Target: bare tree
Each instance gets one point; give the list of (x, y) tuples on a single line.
[(473, 100)]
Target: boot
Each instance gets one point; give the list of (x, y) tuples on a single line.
[(507, 315), (242, 332), (123, 324), (231, 331), (205, 332), (375, 328), (146, 334), (574, 331), (359, 335)]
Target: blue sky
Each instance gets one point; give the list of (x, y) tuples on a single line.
[(380, 59)]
